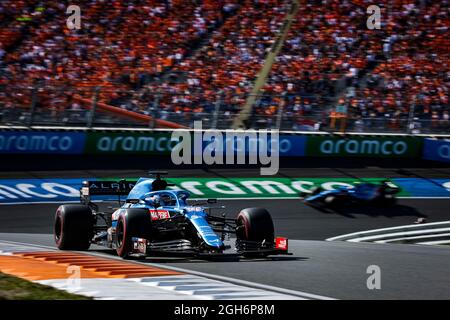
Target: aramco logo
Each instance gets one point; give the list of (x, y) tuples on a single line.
[(352, 146)]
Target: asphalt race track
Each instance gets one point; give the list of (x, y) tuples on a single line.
[(292, 218), (332, 269)]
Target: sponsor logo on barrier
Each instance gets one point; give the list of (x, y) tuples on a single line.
[(250, 143), (41, 142), (32, 190), (245, 145), (136, 143), (164, 143), (444, 151), (362, 146), (35, 190), (60, 190), (436, 150)]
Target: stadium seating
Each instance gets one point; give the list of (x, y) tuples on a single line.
[(132, 49)]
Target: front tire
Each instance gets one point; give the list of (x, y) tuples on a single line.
[(255, 224), (134, 223), (73, 227)]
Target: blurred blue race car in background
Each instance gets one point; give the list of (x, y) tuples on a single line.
[(362, 193)]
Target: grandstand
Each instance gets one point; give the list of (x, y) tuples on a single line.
[(134, 61)]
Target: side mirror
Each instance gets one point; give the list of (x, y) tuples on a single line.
[(211, 201)]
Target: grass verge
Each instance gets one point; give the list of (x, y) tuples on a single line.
[(13, 288)]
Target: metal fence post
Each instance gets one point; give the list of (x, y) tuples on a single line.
[(154, 110), (216, 110), (93, 107), (252, 117), (33, 104), (410, 124), (280, 111)]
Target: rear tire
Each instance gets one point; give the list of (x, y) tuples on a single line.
[(135, 223), (73, 227)]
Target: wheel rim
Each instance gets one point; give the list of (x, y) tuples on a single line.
[(58, 229), (243, 224), (120, 234), (240, 229)]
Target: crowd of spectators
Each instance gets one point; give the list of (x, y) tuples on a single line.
[(414, 77), (123, 46), (330, 60), (225, 67), (119, 46), (396, 72)]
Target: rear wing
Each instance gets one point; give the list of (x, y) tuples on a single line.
[(105, 188)]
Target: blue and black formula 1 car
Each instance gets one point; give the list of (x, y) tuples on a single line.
[(362, 193), (155, 221)]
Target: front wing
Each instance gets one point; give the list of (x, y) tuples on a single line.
[(184, 248)]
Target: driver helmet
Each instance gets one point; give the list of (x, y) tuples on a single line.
[(167, 200), (155, 199)]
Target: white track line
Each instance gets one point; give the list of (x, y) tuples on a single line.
[(403, 235), (398, 228), (420, 237), (438, 242)]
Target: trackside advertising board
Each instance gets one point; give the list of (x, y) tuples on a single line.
[(65, 190), (364, 146), (120, 143), (162, 144), (42, 142), (436, 150), (129, 143)]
